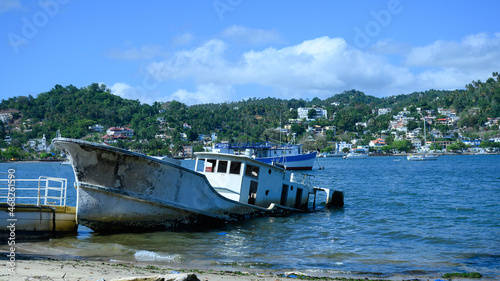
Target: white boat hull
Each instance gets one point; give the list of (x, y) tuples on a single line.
[(122, 190), (426, 157), (356, 156), (302, 162)]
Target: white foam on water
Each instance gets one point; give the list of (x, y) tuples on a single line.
[(144, 255)]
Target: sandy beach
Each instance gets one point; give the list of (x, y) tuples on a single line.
[(50, 269)]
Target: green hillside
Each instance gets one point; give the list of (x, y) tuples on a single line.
[(72, 110)]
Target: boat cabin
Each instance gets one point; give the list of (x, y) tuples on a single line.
[(258, 150), (246, 180)]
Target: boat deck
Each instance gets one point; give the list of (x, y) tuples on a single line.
[(35, 207)]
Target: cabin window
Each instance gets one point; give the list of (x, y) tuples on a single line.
[(222, 168), (252, 171), (255, 172), (248, 170), (235, 168), (210, 165)]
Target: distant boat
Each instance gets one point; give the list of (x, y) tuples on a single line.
[(356, 154), (422, 157), (332, 154), (288, 156), (119, 190)]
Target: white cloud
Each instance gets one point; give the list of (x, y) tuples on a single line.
[(183, 39), (134, 93), (6, 5), (201, 63), (478, 51), (209, 93), (244, 35), (323, 67)]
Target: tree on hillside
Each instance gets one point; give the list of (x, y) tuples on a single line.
[(311, 114)]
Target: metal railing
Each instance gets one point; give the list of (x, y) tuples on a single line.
[(50, 191)]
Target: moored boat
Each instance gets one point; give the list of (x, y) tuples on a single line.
[(332, 154), (289, 156), (356, 154), (119, 190), (422, 157)]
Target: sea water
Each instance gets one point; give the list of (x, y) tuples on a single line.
[(400, 217)]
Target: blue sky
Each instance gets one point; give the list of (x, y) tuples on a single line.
[(228, 50)]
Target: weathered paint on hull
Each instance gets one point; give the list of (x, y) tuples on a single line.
[(105, 210), (122, 190)]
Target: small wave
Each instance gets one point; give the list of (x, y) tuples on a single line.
[(143, 255)]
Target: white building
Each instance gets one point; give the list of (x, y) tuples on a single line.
[(116, 131), (97, 128), (384, 111), (342, 145), (304, 111), (417, 143), (5, 117), (39, 144)]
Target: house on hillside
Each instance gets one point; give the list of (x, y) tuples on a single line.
[(116, 133), (382, 111), (378, 143), (39, 145), (96, 128), (5, 117), (492, 122), (342, 145), (416, 143)]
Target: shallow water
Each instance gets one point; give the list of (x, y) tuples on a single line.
[(400, 217)]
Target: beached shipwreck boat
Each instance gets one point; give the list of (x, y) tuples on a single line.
[(119, 190)]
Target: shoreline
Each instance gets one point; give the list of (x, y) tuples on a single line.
[(43, 268), (371, 155)]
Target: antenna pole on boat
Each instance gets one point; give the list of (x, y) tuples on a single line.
[(280, 127), (425, 137)]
